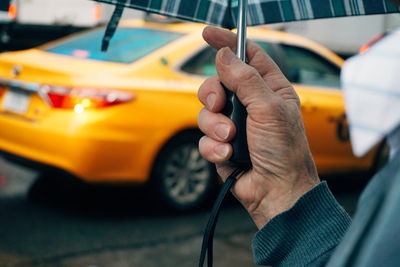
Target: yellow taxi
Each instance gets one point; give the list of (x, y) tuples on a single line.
[(130, 115)]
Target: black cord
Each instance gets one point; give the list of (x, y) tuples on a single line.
[(207, 246)]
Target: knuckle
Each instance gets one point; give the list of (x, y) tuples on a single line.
[(272, 108), (208, 85), (288, 93), (237, 73), (213, 150), (205, 148), (246, 74), (247, 79), (201, 141), (277, 106), (202, 146), (201, 118), (202, 113)]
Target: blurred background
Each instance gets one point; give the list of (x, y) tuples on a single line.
[(98, 151)]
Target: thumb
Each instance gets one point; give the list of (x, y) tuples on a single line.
[(241, 78)]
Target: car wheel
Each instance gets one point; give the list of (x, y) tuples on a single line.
[(182, 178)]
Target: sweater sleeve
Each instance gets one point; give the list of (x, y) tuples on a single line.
[(305, 235)]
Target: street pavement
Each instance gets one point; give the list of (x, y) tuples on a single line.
[(96, 227)]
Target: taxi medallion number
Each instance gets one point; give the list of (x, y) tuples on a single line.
[(16, 101)]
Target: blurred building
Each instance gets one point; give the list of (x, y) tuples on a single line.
[(343, 35), (24, 24)]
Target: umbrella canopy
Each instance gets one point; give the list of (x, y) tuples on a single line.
[(226, 13), (223, 13)]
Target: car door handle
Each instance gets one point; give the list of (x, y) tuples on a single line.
[(342, 127)]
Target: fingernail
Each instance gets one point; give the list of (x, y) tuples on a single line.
[(222, 131), (222, 150), (211, 100), (227, 56)]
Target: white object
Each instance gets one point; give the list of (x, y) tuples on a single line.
[(83, 13), (343, 35), (16, 101), (4, 16), (371, 84)]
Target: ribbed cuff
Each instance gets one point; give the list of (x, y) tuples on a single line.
[(304, 233)]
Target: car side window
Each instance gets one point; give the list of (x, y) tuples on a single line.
[(308, 68), (203, 63)]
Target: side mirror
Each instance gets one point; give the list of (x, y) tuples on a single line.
[(164, 61)]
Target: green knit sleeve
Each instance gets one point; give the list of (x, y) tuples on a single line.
[(305, 235)]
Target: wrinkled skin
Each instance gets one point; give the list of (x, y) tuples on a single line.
[(283, 168)]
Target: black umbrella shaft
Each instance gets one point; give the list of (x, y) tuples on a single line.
[(233, 107)]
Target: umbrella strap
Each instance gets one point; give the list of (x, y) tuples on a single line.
[(112, 27), (207, 246)]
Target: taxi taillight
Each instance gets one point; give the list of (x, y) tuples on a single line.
[(97, 13), (80, 99), (2, 90), (364, 48), (12, 11)]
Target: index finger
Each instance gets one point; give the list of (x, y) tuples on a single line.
[(256, 56)]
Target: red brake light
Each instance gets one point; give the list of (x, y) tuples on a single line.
[(97, 13), (2, 90), (12, 11), (370, 43), (80, 99)]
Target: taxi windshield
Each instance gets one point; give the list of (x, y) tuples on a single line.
[(127, 45)]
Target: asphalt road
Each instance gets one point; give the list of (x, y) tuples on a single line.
[(95, 227)]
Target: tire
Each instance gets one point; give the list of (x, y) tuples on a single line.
[(182, 179)]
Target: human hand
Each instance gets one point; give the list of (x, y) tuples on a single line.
[(282, 165)]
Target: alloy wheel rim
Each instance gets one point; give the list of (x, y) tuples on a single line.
[(186, 174)]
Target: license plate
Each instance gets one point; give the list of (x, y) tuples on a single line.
[(16, 101)]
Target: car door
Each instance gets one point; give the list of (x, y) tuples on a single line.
[(202, 63), (317, 81)]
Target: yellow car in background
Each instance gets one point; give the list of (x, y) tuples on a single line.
[(130, 115)]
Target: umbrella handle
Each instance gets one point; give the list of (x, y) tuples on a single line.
[(235, 110), (233, 107)]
